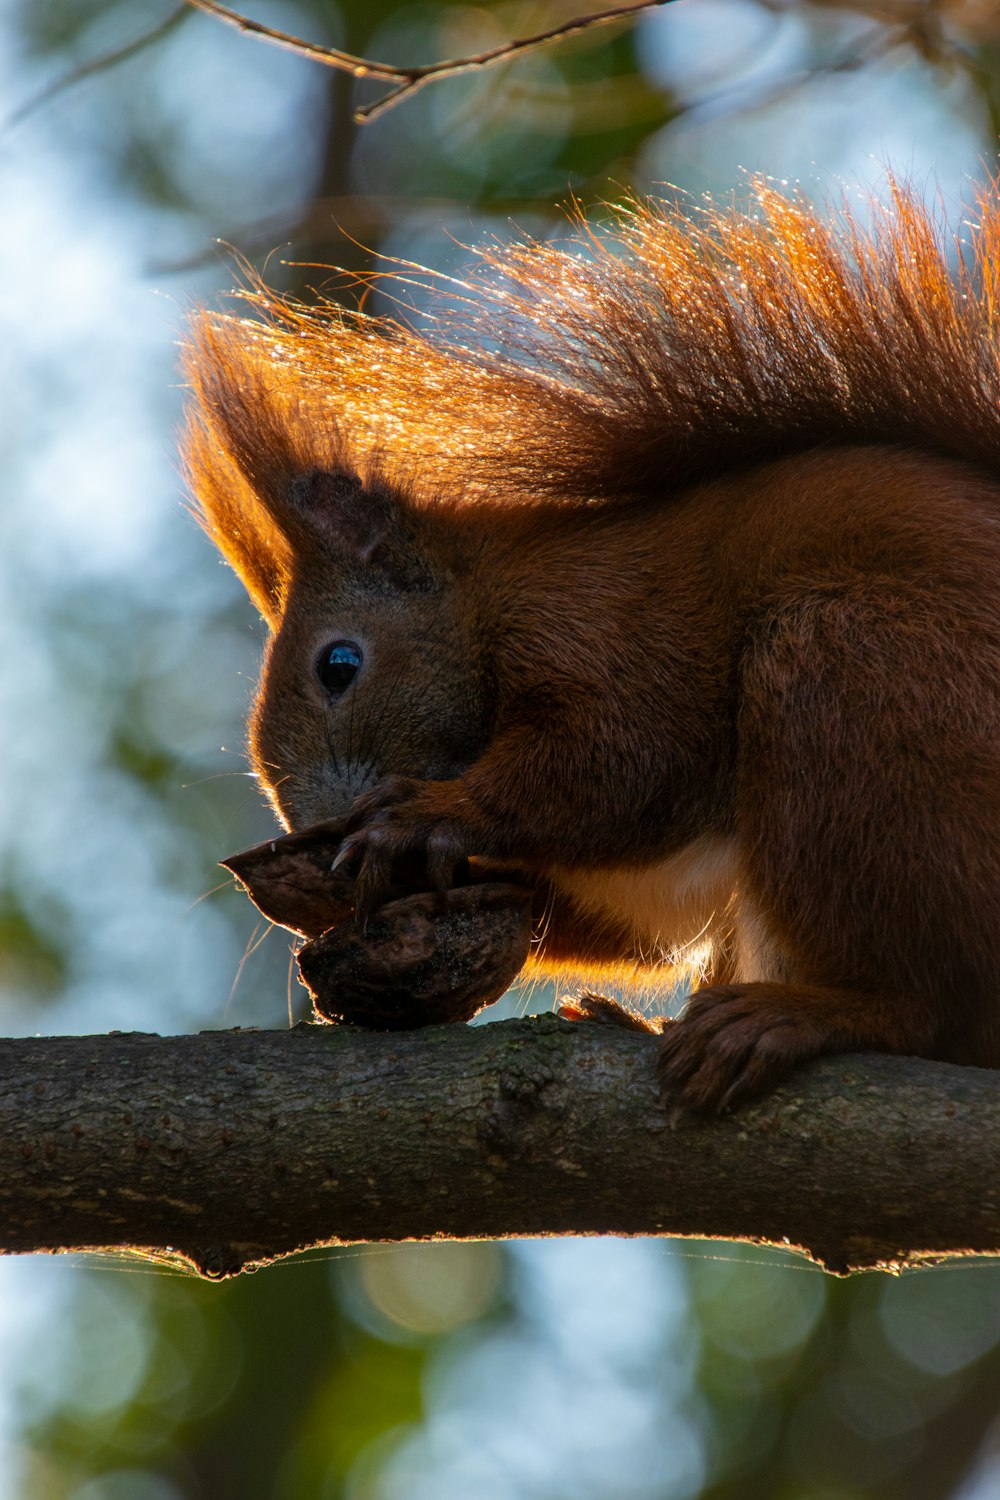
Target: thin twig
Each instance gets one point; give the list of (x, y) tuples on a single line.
[(96, 65), (408, 79)]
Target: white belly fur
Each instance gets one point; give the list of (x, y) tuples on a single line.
[(678, 908)]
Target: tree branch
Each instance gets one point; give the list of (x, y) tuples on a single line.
[(233, 1148), (408, 79)]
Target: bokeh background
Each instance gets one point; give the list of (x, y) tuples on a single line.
[(566, 1370)]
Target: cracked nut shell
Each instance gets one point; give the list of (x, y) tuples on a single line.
[(421, 960), (289, 879)]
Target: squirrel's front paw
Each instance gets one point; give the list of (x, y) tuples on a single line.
[(402, 822)]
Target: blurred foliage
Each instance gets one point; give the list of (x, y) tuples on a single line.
[(32, 954), (616, 1371), (190, 1389), (868, 1387)]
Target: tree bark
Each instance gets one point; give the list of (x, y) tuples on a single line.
[(232, 1148)]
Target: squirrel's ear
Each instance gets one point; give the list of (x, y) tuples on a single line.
[(273, 477), (363, 526), (240, 525), (334, 505)]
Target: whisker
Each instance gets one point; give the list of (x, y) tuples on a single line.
[(223, 885), (253, 944)]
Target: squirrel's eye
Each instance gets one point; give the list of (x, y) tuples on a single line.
[(338, 666)]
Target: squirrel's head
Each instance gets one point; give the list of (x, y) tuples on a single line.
[(370, 669)]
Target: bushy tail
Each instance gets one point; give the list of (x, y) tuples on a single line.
[(644, 354)]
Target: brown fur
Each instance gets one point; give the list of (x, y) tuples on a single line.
[(691, 606)]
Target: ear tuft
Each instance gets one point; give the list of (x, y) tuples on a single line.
[(275, 477)]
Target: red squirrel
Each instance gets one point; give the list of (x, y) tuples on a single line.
[(670, 573)]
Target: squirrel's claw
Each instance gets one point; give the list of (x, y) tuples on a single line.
[(347, 849), (398, 819)]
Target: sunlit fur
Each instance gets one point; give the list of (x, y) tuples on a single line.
[(640, 356), (726, 486)]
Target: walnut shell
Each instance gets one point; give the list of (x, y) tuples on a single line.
[(421, 960), (289, 879)]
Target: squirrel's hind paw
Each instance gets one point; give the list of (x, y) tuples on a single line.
[(591, 1007)]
